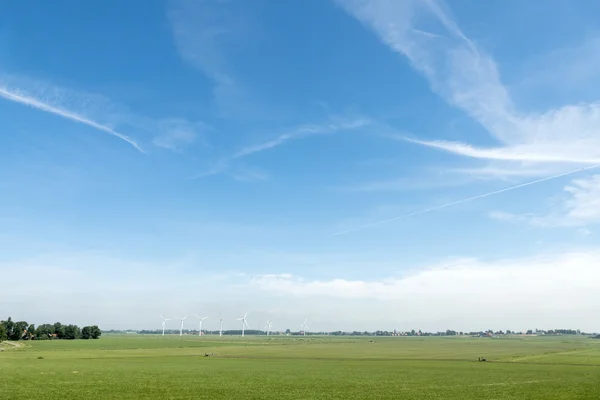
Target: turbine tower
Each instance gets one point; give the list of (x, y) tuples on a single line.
[(164, 323), (181, 327), (221, 327), (200, 326), (244, 323), (268, 327), (304, 327)]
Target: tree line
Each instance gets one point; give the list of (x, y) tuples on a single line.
[(21, 330)]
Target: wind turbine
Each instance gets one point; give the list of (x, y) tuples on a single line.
[(304, 327), (181, 327), (200, 327), (221, 327), (244, 323), (268, 327), (164, 323)]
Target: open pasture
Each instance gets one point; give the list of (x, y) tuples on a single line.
[(172, 367)]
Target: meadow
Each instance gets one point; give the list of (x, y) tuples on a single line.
[(312, 367)]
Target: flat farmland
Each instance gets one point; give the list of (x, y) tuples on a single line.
[(312, 367)]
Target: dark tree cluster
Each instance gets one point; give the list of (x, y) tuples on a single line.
[(21, 330)]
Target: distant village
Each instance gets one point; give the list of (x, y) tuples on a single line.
[(288, 332)]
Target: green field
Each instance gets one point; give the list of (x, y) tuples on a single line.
[(170, 367)]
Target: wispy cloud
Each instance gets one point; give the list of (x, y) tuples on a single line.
[(465, 200), (88, 109), (176, 133), (295, 134), (566, 71), (248, 174), (434, 181), (301, 132), (505, 173), (18, 96), (580, 206), (466, 77), (206, 34)]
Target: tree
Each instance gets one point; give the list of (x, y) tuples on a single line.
[(19, 330), (95, 332), (59, 330), (9, 326), (72, 332), (44, 332), (3, 332), (91, 332), (86, 332)]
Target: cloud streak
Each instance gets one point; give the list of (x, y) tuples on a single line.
[(30, 101), (298, 133), (466, 77), (504, 154), (303, 131), (465, 200)]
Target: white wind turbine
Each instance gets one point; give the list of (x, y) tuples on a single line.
[(164, 323), (244, 322), (268, 327), (200, 326), (304, 327), (181, 327), (221, 327)]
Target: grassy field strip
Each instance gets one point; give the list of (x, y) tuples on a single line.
[(170, 367)]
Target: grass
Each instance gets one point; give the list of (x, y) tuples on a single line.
[(142, 367)]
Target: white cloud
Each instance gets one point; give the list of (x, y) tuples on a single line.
[(466, 77), (580, 206), (583, 204), (516, 153), (547, 291), (556, 290)]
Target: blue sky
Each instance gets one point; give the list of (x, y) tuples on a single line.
[(224, 156)]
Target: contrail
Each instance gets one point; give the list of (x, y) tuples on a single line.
[(465, 200), (35, 103)]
